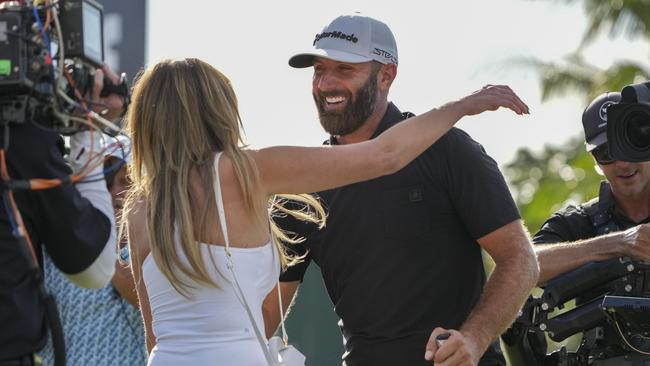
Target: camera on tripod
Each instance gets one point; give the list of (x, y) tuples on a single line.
[(49, 52), (628, 127)]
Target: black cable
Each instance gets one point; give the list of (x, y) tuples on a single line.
[(51, 310), (21, 37), (5, 139), (42, 127), (54, 322)]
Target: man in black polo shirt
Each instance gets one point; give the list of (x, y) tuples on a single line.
[(401, 254), (614, 224)]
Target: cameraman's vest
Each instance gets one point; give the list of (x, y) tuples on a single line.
[(600, 211)]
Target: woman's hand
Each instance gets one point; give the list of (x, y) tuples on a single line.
[(491, 98)]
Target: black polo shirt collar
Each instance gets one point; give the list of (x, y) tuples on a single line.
[(391, 117)]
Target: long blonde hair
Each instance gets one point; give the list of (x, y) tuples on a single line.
[(183, 112)]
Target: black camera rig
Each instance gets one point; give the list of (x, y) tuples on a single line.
[(49, 52), (612, 312)]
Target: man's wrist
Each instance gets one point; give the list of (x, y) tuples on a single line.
[(626, 240), (478, 339)]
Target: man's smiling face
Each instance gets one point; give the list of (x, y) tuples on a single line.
[(345, 94), (626, 178)]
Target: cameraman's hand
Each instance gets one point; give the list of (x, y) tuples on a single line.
[(637, 240), (457, 350), (113, 104)]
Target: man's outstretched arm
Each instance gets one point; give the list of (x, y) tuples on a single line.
[(562, 256)]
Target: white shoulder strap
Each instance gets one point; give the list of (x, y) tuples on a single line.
[(229, 263)]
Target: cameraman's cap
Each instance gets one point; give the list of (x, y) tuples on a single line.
[(594, 119), (351, 38)]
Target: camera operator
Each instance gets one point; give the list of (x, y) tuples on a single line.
[(612, 225), (74, 223)]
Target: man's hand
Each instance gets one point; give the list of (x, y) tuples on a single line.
[(638, 242), (505, 291), (110, 107), (457, 350)]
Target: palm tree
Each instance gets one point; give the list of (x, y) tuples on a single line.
[(630, 18), (537, 180)]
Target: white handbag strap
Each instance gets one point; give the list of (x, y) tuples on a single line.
[(238, 291)]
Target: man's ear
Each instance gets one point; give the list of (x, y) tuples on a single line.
[(385, 76)]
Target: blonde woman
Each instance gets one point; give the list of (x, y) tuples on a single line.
[(188, 161)]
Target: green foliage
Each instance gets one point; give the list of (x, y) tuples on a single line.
[(628, 17), (545, 182), (575, 75)]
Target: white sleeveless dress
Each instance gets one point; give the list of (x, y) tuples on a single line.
[(212, 327)]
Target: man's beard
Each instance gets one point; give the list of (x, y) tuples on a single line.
[(355, 112)]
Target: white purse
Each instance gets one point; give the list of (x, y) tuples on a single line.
[(279, 347), (278, 351)]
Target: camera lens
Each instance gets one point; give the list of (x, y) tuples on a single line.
[(638, 129), (628, 131)]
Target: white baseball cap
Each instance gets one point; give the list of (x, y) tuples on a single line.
[(351, 38)]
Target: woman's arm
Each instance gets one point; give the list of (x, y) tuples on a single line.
[(138, 251), (286, 169), (145, 309)]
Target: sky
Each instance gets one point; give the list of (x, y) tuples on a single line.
[(447, 49)]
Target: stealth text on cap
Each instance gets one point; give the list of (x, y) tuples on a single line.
[(385, 54), (336, 34)]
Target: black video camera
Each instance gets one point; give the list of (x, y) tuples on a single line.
[(628, 127), (49, 52)]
